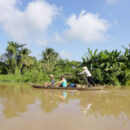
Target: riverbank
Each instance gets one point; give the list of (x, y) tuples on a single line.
[(16, 79), (23, 84)]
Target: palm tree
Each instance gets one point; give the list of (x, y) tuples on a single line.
[(49, 58), (49, 55), (24, 59), (11, 54)]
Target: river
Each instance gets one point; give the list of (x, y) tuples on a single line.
[(27, 108)]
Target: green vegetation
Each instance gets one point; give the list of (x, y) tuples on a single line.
[(16, 64)]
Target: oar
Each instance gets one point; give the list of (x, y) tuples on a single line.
[(83, 77)]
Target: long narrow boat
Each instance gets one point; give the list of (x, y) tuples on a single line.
[(68, 88)]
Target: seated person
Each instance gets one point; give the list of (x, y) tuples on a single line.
[(52, 82), (63, 82)]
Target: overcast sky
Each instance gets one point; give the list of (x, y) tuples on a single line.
[(68, 26)]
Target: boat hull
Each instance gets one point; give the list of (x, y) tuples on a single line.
[(68, 88)]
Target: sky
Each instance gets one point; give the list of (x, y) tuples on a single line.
[(70, 27)]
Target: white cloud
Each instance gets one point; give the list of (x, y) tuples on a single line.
[(57, 38), (65, 55), (29, 24), (87, 27), (110, 1), (42, 43)]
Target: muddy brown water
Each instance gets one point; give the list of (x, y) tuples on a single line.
[(26, 108)]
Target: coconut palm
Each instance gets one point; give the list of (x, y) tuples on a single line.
[(11, 54), (49, 55), (24, 59), (49, 58)]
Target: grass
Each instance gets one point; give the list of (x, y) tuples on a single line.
[(9, 78), (13, 79), (15, 84)]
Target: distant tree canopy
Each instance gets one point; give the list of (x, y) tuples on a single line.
[(49, 55), (106, 67), (109, 67)]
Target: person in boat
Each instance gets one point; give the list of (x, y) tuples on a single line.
[(52, 82), (88, 76), (63, 82)]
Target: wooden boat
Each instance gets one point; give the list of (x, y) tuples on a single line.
[(68, 88)]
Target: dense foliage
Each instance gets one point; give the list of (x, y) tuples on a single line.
[(106, 67)]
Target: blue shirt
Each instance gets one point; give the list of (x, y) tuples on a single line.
[(64, 83)]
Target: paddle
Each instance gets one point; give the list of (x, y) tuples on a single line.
[(83, 77)]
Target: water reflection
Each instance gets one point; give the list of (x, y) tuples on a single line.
[(15, 100)]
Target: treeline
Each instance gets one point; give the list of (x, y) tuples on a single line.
[(111, 68)]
